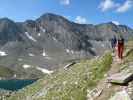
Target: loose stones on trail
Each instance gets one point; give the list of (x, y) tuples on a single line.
[(91, 95), (122, 95)]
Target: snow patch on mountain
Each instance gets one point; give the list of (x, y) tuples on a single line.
[(14, 75), (44, 70), (93, 49), (39, 34), (102, 45), (43, 29), (20, 59), (25, 66), (30, 37), (55, 39), (44, 53), (31, 55), (2, 53), (47, 57), (116, 22), (69, 51)]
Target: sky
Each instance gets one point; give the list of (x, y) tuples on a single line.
[(79, 11)]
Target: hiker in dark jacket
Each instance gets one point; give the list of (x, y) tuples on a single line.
[(113, 43)]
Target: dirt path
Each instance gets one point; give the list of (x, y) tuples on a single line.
[(107, 88)]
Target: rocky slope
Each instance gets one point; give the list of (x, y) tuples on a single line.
[(77, 81), (34, 47), (67, 84)]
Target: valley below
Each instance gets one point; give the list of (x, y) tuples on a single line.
[(52, 58)]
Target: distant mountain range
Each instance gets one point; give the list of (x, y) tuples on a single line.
[(34, 47)]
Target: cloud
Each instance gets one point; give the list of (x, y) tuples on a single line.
[(116, 22), (80, 20), (125, 7), (107, 5), (65, 2)]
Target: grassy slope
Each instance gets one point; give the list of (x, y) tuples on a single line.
[(67, 84), (117, 67), (5, 72), (129, 54)]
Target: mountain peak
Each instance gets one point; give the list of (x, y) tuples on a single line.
[(51, 17), (112, 23), (52, 37), (6, 20)]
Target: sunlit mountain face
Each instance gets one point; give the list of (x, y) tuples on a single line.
[(36, 47)]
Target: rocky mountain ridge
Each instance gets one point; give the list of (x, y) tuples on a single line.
[(51, 40)]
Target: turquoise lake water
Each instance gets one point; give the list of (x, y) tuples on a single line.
[(16, 84)]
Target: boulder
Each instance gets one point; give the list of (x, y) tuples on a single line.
[(121, 78)]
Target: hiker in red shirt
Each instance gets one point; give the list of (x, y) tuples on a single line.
[(120, 47)]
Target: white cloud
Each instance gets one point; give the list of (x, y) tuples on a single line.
[(116, 22), (65, 2), (125, 7), (108, 5), (80, 20)]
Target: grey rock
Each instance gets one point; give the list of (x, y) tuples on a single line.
[(121, 78)]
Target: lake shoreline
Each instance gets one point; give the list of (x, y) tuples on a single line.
[(1, 78), (15, 84)]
